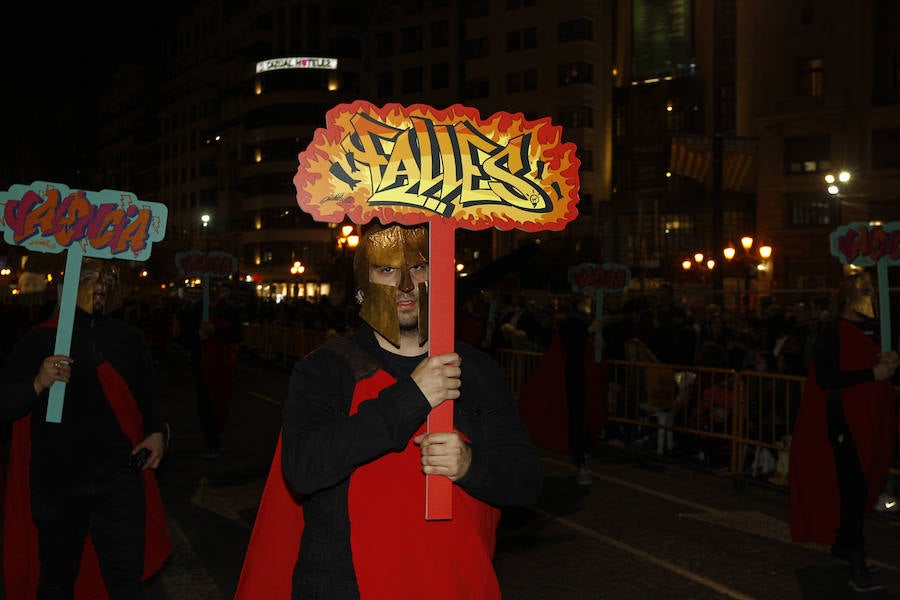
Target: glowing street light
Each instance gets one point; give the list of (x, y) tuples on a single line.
[(832, 180)]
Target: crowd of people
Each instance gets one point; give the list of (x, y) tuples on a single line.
[(789, 340)]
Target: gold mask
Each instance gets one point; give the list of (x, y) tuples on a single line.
[(96, 273), (400, 247), (858, 292)]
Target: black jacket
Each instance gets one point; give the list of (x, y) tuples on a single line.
[(322, 445), (87, 445)]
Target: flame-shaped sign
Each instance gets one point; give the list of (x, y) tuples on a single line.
[(448, 168), (216, 264), (413, 164), (49, 217)]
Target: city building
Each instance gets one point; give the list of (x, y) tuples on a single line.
[(697, 122)]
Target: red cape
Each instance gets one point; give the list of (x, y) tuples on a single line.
[(218, 360), (871, 416), (21, 567), (386, 503), (542, 402)]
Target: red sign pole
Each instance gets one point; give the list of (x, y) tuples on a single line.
[(441, 329)]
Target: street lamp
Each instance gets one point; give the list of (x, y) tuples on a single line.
[(205, 220), (833, 181), (349, 239), (752, 262), (297, 269)]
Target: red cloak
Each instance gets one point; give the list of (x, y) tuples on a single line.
[(870, 412), (21, 567), (542, 402), (386, 503)]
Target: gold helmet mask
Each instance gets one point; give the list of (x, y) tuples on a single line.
[(858, 292), (395, 246), (102, 276)]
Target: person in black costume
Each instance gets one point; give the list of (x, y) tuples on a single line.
[(355, 450), (574, 332), (83, 479), (849, 405)]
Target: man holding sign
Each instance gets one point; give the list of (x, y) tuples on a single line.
[(89, 488), (356, 451), (845, 434)]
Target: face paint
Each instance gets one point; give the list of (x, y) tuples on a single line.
[(396, 302), (85, 298), (98, 287)]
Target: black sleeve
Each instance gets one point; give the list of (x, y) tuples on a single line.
[(127, 348), (321, 442), (506, 468), (827, 357), (17, 397)]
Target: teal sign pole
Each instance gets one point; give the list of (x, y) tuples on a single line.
[(50, 217), (864, 245)]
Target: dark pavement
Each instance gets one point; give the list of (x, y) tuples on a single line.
[(645, 529)]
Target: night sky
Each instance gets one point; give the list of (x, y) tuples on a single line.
[(53, 65)]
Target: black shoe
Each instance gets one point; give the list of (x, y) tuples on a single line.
[(842, 553), (863, 582)]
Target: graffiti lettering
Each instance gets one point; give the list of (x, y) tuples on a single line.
[(74, 219), (608, 277), (870, 243), (214, 264), (430, 165)]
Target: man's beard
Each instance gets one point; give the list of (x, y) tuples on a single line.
[(409, 321)]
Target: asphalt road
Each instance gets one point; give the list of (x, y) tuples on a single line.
[(644, 529)]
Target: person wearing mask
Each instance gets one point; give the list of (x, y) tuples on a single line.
[(88, 487), (844, 438), (342, 515)]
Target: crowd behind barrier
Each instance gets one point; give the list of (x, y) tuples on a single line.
[(687, 378)]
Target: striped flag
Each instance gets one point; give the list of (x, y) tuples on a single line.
[(691, 156), (739, 164)]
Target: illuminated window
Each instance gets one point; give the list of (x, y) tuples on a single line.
[(572, 73), (808, 154), (810, 76)]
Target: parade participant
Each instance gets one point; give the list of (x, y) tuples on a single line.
[(569, 363), (354, 453), (83, 485), (844, 437), (215, 366)]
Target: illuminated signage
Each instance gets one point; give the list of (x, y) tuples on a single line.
[(296, 62)]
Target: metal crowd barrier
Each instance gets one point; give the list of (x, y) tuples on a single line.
[(742, 419), (732, 417), (275, 341)]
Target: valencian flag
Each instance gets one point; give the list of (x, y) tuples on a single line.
[(449, 168), (739, 164), (691, 157)]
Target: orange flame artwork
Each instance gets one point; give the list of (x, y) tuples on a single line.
[(415, 164)]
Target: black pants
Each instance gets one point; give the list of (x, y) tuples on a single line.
[(852, 485), (576, 391), (212, 432), (113, 513)]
